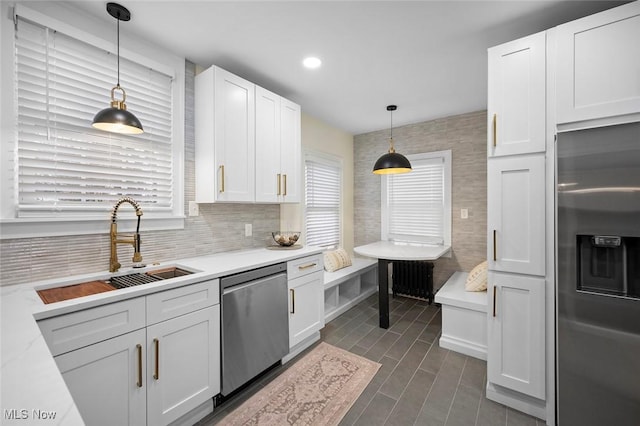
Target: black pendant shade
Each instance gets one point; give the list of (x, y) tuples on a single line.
[(392, 162), (116, 118)]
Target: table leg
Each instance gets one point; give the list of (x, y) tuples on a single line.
[(383, 292)]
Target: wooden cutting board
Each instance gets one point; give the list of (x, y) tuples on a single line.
[(58, 294)]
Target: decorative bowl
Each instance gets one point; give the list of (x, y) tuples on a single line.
[(285, 238)]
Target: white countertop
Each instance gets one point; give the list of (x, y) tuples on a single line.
[(29, 377), (395, 251)]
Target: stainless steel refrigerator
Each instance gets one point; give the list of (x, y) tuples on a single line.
[(598, 283)]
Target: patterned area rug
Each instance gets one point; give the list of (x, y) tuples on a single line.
[(317, 390)]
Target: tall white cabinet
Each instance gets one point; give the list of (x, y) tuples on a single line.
[(516, 225)]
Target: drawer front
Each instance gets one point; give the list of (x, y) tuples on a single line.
[(78, 329), (179, 301), (303, 266)]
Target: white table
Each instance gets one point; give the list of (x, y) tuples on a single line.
[(388, 251)]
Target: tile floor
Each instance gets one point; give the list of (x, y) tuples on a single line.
[(419, 383)]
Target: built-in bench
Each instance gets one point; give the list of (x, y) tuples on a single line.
[(348, 286), (464, 317)]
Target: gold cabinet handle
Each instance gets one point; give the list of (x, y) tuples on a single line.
[(310, 265), (139, 349), (494, 300), (221, 178), (495, 129), (495, 250), (285, 185), (293, 300), (278, 179), (156, 373)]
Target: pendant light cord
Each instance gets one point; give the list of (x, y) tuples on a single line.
[(118, 19)]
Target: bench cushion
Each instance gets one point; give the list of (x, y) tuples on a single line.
[(453, 293)]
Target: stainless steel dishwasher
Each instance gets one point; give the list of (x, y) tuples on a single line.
[(255, 323)]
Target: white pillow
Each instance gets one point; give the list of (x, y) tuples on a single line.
[(336, 259), (477, 279)]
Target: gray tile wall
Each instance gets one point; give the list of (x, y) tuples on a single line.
[(466, 136), (220, 227)]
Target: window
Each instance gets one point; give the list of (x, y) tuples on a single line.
[(65, 169), (323, 183), (416, 206)]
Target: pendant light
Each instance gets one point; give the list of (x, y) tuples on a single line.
[(116, 118), (391, 162)]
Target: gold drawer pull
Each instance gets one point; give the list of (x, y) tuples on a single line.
[(310, 265), (221, 177), (156, 373), (279, 186), (495, 129), (494, 300), (139, 349), (495, 250), (285, 185), (293, 301)]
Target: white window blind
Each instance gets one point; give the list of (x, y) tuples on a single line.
[(323, 182), (416, 205), (64, 166)]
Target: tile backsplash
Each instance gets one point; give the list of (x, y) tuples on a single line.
[(218, 228), (466, 136)]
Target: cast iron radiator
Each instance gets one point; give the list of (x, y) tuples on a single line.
[(413, 278)]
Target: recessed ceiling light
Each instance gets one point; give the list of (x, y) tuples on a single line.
[(312, 62)]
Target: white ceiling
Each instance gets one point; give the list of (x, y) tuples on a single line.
[(428, 57)]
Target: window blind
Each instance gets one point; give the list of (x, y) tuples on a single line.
[(322, 202), (66, 167), (416, 203)]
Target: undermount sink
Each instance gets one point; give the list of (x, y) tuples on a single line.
[(58, 294)]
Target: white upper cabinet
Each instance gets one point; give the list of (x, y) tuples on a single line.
[(291, 153), (225, 137), (516, 214), (516, 97), (598, 66), (278, 155)]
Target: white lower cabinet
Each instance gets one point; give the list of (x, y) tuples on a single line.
[(306, 307), (516, 333), (150, 376), (108, 381), (183, 364), (306, 298)]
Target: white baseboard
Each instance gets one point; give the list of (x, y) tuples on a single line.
[(463, 346), (297, 349), (195, 415), (532, 406)]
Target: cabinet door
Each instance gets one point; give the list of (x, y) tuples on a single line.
[(599, 65), (516, 97), (234, 134), (515, 211), (268, 174), (290, 153), (107, 380), (516, 338), (183, 364), (306, 307)]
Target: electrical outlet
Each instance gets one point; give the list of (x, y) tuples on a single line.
[(248, 230), (464, 213), (194, 210)]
